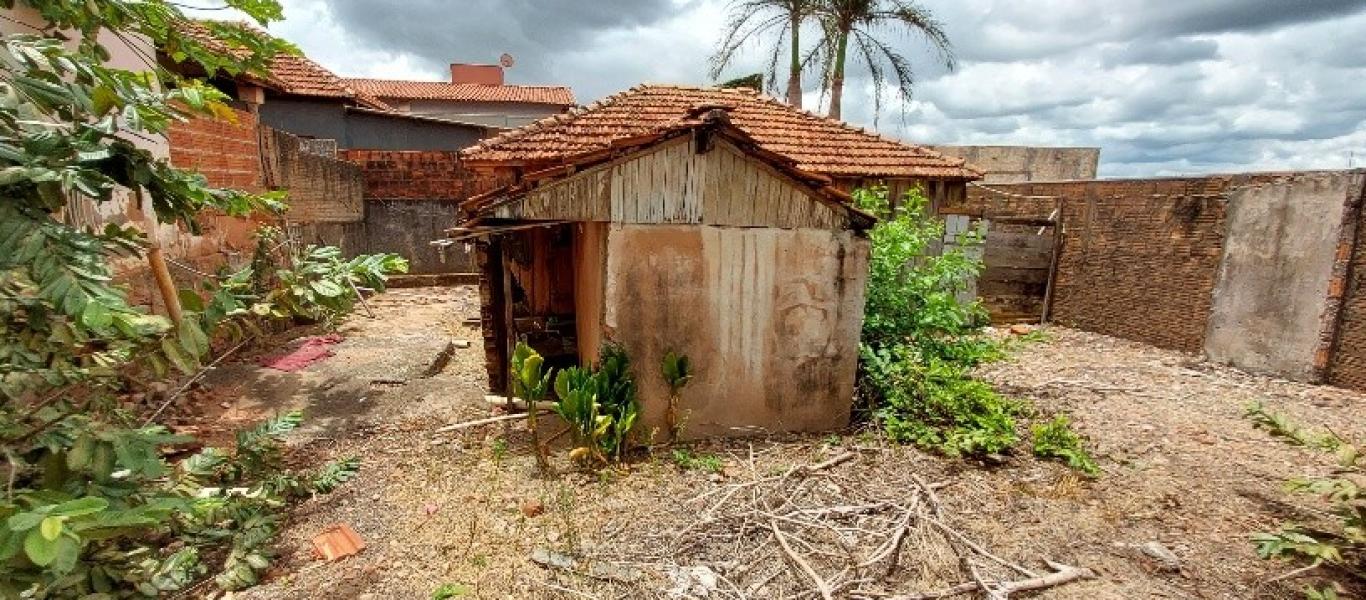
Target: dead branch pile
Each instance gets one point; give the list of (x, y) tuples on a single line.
[(819, 531)]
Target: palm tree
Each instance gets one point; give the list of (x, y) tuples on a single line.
[(857, 22), (752, 18)]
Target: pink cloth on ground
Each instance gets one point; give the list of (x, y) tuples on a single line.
[(312, 350)]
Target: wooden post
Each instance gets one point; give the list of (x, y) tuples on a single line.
[(1053, 264), (157, 261)]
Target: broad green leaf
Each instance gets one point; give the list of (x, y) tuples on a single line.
[(51, 528), (39, 549), (25, 521), (81, 506)]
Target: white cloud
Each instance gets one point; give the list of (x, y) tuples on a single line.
[(1163, 86)]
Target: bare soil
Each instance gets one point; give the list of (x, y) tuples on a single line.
[(1182, 467)]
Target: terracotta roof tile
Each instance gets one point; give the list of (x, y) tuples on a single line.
[(289, 73), (815, 144), (467, 92)]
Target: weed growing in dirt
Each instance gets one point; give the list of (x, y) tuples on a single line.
[(599, 404), (677, 371), (499, 450), (1055, 439), (688, 461), (1341, 544), (450, 590)]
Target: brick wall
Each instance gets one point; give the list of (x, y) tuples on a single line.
[(411, 198), (1139, 258), (321, 189), (1347, 362), (417, 175), (227, 153)]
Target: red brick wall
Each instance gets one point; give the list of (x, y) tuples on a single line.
[(227, 153), (1139, 257), (417, 175), (321, 189), (1347, 366)]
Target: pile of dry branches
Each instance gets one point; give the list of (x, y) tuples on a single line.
[(820, 531)]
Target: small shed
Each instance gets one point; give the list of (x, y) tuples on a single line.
[(694, 236)]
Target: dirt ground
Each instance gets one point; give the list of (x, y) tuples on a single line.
[(1182, 468)]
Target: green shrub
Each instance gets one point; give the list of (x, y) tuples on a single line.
[(919, 341), (1055, 439)]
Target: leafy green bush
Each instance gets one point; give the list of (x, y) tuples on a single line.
[(91, 508), (1342, 546), (98, 516), (600, 404), (919, 341), (1055, 439), (319, 286)]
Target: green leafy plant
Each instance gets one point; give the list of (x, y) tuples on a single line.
[(1055, 439), (91, 506), (677, 372), (599, 405), (1341, 543), (531, 382), (919, 342), (688, 461), (450, 590), (320, 286)]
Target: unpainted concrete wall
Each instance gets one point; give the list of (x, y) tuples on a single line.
[(770, 318), (1015, 164), (1268, 300)]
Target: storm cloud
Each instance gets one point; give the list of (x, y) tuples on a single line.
[(1163, 86)]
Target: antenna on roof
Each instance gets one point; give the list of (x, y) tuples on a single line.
[(506, 60)]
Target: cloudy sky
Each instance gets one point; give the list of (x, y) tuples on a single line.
[(1162, 86)]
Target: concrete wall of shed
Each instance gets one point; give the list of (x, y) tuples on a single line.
[(770, 318), (1278, 259)]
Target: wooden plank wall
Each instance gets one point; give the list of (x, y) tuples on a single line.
[(672, 184), (1013, 285)]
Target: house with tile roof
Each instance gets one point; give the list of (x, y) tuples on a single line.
[(474, 94), (710, 222), (297, 95)]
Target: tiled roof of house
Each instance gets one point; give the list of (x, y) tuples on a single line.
[(288, 73), (814, 143), (467, 92)]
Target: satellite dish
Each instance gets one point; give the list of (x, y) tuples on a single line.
[(506, 60)]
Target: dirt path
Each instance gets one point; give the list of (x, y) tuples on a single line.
[(1182, 468)]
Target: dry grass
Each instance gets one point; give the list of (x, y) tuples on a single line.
[(1182, 467)]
